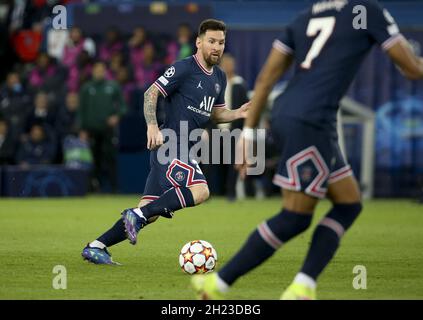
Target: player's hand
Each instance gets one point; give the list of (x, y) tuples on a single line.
[(243, 110), (154, 137)]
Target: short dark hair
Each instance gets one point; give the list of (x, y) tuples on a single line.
[(211, 24)]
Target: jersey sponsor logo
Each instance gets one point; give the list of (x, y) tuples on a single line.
[(205, 106), (163, 80), (203, 113), (169, 72), (199, 85), (207, 103)]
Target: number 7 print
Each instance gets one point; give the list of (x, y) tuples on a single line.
[(325, 26)]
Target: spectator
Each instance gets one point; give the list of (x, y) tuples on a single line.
[(7, 144), (183, 47), (80, 72), (41, 113), (123, 77), (101, 106), (27, 43), (48, 77), (149, 70), (115, 63), (66, 120), (136, 46), (37, 149), (77, 153), (236, 95), (15, 102), (75, 45), (185, 41), (112, 44)]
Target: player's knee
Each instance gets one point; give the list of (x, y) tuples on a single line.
[(288, 224), (200, 193), (345, 214)]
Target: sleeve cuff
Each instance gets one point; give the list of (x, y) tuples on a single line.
[(162, 91), (391, 41), (282, 47)]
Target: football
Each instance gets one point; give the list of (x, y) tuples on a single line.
[(197, 256)]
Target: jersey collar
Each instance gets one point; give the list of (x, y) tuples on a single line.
[(209, 73)]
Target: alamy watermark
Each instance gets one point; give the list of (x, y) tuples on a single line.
[(60, 281), (360, 18), (206, 148), (360, 280), (59, 21)]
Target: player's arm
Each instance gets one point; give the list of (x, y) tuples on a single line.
[(223, 115), (276, 65), (154, 137), (410, 65)]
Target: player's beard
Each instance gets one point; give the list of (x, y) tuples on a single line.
[(211, 60)]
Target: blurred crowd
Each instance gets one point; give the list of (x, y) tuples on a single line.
[(62, 92)]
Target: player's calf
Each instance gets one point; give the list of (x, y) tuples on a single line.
[(327, 236), (263, 242)]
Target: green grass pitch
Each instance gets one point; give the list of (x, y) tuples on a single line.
[(36, 235)]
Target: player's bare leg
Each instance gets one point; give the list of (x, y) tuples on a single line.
[(298, 202), (344, 191), (345, 197), (200, 193)]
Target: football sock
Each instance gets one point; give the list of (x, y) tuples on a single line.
[(171, 201), (263, 242), (114, 235), (305, 280), (222, 286), (327, 236), (97, 244)]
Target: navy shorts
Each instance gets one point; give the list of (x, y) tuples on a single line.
[(310, 157), (174, 174)]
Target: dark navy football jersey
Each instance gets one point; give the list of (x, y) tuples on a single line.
[(328, 42), (191, 92)]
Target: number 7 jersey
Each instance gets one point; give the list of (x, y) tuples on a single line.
[(329, 41)]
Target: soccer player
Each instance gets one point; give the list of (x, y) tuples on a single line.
[(328, 47), (194, 90)]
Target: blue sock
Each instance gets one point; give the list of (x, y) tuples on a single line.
[(172, 200), (263, 242), (327, 236), (114, 235)]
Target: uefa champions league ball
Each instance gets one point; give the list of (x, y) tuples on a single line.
[(197, 256)]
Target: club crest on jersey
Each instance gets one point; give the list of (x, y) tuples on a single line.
[(217, 87), (207, 103), (169, 72), (179, 176)]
